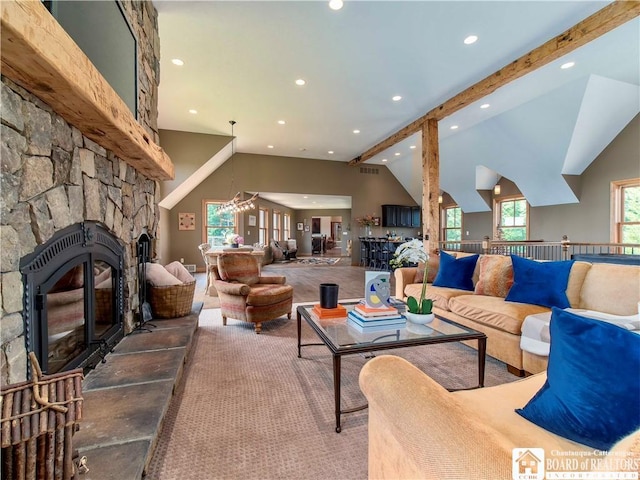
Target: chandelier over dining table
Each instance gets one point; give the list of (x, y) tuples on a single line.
[(236, 204)]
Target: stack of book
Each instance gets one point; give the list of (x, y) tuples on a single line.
[(367, 319)]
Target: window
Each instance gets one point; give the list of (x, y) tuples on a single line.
[(277, 225), (263, 226), (287, 226), (217, 225), (452, 224), (511, 219), (626, 211)]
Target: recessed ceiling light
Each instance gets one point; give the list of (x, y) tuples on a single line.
[(454, 127), (564, 66), (396, 98), (470, 39), (384, 159), (306, 196), (335, 4), (269, 146), (397, 154), (485, 105), (330, 152), (412, 147), (281, 122), (177, 61), (300, 82), (193, 111), (356, 131)]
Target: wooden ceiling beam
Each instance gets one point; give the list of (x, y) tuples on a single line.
[(41, 57), (592, 27)]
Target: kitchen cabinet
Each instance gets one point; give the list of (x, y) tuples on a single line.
[(416, 214), (400, 216)]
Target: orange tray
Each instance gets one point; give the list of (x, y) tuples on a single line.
[(338, 312)]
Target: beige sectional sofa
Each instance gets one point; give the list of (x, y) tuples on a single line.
[(602, 287), (417, 429)]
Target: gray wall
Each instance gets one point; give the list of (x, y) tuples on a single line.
[(265, 173), (188, 152), (588, 220)]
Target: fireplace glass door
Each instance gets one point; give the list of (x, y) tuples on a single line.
[(65, 316)]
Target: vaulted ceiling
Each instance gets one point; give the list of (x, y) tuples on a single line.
[(241, 60)]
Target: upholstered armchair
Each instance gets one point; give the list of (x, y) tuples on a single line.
[(283, 250), (246, 295)]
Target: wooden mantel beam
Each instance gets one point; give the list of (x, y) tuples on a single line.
[(592, 27), (41, 57)]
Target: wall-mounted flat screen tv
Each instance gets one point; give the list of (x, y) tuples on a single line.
[(101, 30)]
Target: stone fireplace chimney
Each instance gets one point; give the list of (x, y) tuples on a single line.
[(55, 176)]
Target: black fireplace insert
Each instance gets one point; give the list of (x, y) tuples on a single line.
[(74, 297)]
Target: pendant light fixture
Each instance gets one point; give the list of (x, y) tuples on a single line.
[(236, 204)]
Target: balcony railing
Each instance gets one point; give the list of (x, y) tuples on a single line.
[(540, 249)]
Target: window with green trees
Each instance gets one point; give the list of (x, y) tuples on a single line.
[(452, 224), (512, 219), (627, 211), (218, 224)]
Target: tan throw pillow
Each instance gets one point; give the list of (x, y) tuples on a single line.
[(158, 276), (179, 271), (496, 275), (434, 263)]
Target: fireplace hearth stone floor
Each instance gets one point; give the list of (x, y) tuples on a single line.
[(127, 397)]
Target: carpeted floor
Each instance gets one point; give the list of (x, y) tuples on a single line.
[(248, 408)]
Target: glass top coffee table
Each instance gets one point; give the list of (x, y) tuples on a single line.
[(343, 339)]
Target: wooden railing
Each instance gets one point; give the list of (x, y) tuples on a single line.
[(540, 249)]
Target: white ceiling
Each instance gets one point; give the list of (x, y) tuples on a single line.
[(241, 60)]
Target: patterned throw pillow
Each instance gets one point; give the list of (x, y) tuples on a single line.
[(496, 276), (434, 263)]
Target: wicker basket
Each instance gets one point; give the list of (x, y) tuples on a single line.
[(39, 418), (173, 301)]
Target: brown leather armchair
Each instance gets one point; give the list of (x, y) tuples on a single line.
[(246, 295)]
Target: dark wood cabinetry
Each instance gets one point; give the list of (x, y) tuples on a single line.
[(400, 216), (416, 214)]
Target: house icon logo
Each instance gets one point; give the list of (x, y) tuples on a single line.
[(527, 463)]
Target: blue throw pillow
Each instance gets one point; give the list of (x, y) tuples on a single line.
[(592, 391), (456, 272), (540, 283)]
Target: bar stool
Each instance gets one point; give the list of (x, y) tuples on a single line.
[(385, 253), (371, 253), (363, 251)]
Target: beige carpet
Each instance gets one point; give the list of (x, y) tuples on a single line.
[(249, 408)]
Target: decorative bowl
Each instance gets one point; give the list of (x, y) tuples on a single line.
[(419, 318)]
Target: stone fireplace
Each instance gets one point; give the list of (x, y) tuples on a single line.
[(56, 179)]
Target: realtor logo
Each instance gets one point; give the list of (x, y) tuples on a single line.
[(528, 463)]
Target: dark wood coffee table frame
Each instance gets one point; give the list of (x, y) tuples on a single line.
[(388, 340)]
